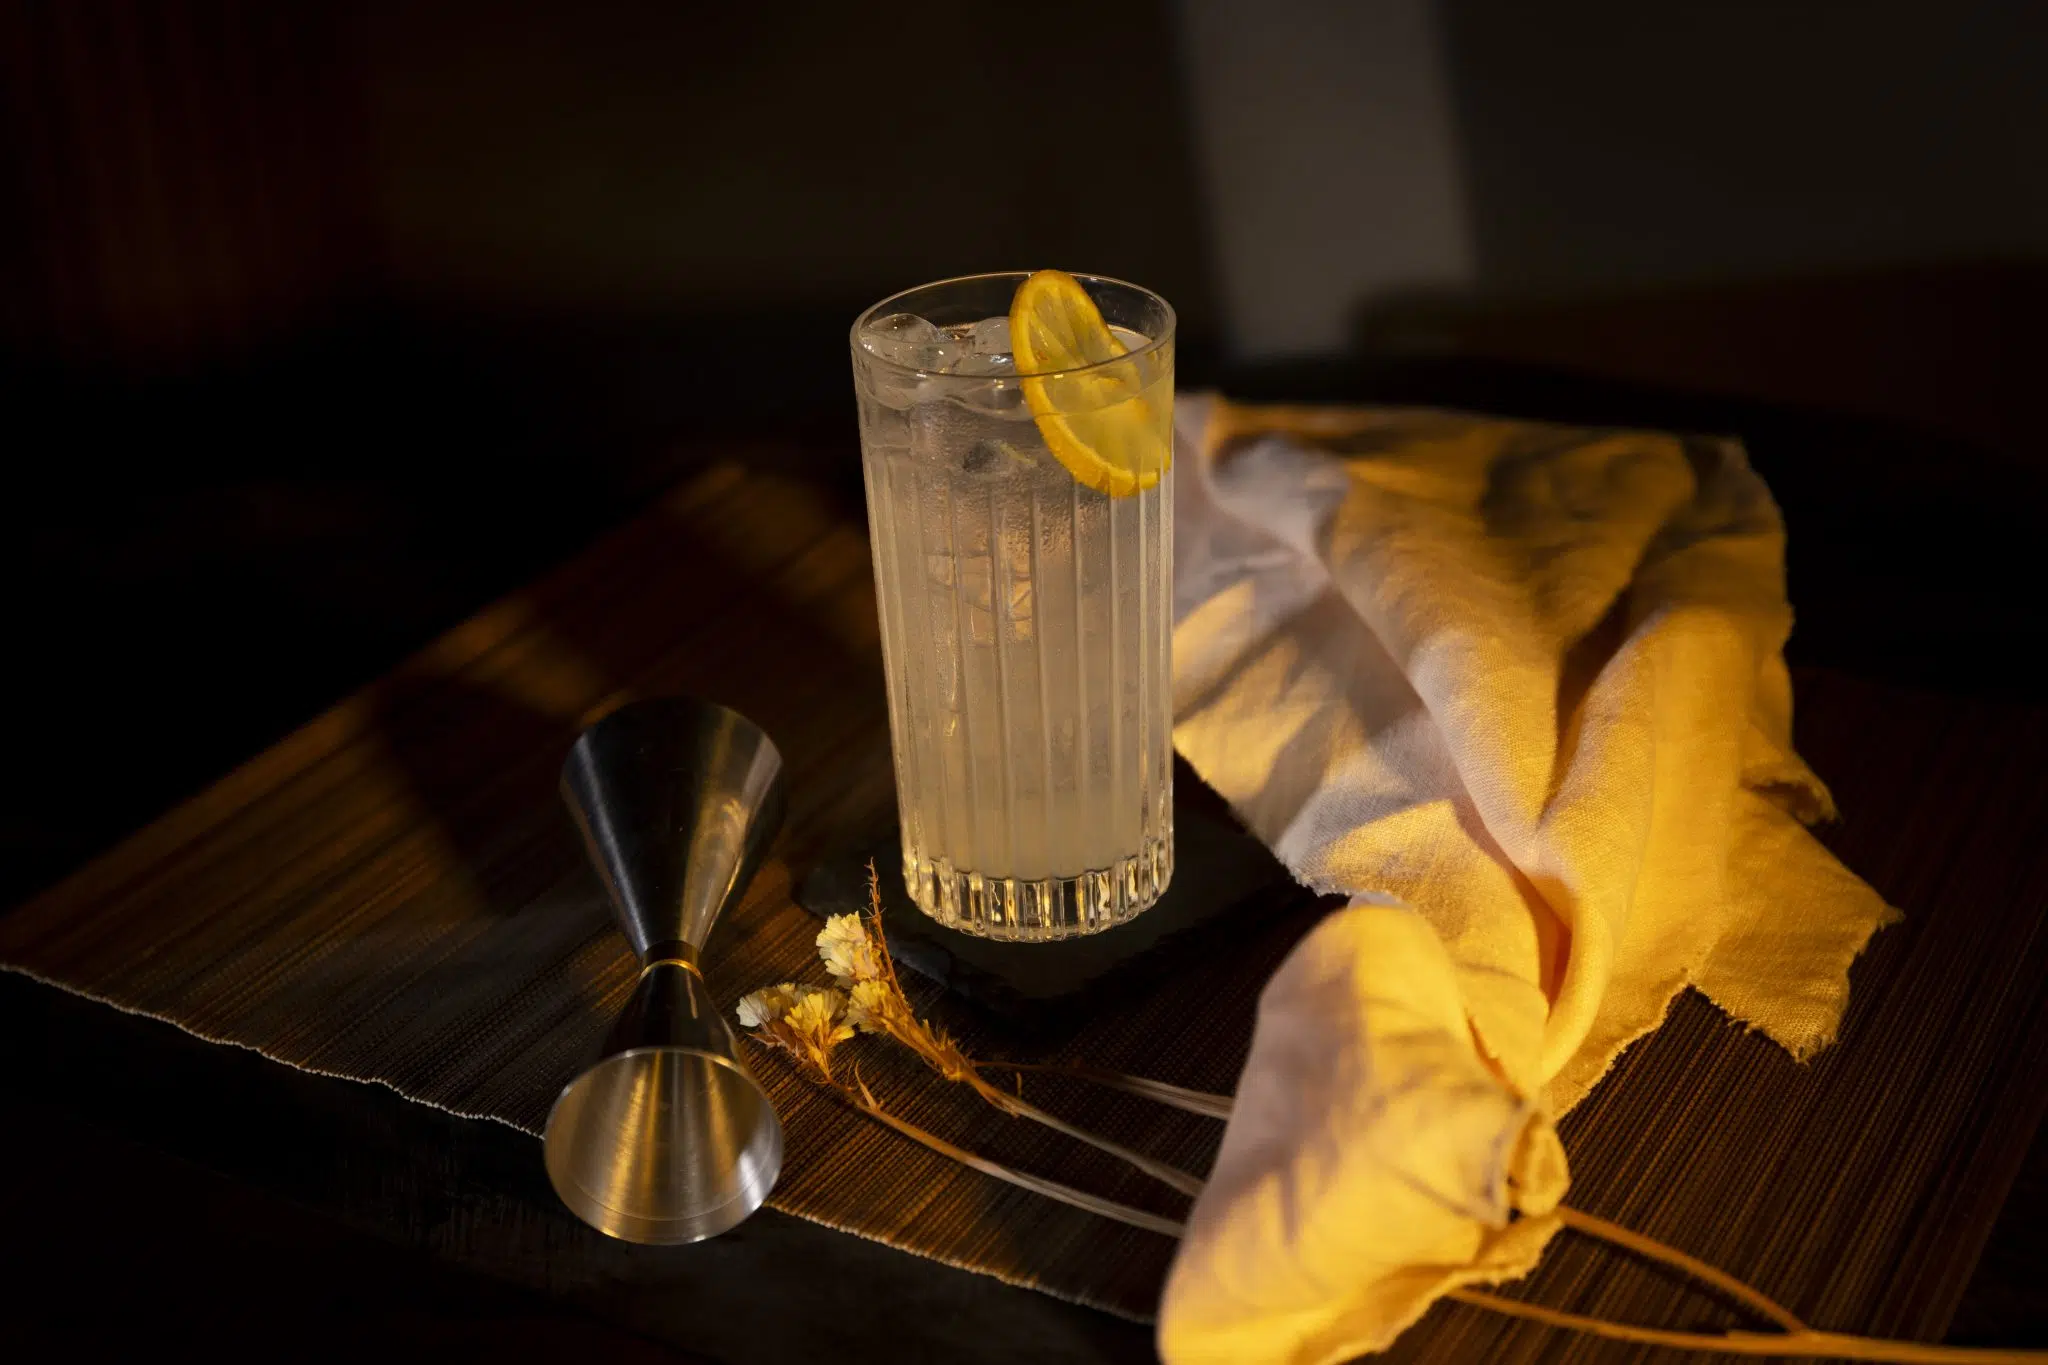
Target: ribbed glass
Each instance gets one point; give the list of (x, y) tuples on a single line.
[(1025, 624)]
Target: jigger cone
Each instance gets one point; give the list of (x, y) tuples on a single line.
[(668, 1137)]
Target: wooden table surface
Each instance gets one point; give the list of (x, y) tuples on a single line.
[(1865, 1201)]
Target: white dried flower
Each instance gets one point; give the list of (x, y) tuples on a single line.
[(848, 952), (763, 1006), (868, 1004)]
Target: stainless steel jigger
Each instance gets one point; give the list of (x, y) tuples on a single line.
[(668, 1137)]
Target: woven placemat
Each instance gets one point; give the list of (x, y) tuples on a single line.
[(393, 894)]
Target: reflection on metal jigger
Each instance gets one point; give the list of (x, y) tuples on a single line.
[(668, 1137)]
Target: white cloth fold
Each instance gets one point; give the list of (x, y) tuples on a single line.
[(1518, 690)]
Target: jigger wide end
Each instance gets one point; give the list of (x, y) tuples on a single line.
[(668, 1138)]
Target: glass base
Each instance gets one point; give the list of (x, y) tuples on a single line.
[(1040, 911)]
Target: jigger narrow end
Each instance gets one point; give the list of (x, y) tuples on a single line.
[(668, 1137)]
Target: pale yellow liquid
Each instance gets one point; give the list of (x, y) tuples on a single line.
[(1026, 628)]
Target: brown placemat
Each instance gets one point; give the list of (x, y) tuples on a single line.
[(393, 894)]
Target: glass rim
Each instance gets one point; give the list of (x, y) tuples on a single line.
[(1151, 345)]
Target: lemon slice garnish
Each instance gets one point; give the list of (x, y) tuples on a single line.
[(1097, 421)]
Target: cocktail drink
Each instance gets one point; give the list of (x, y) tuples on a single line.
[(1016, 437)]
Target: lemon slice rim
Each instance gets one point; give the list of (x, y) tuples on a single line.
[(1080, 458)]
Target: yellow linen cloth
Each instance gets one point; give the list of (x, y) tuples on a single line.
[(1517, 690)]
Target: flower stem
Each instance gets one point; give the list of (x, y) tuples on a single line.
[(855, 1095), (1186, 1182), (1173, 1096), (1591, 1225), (1587, 1224), (1052, 1189), (1804, 1343)]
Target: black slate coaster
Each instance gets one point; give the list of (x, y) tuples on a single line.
[(1043, 988)]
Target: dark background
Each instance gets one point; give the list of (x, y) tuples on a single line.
[(323, 324)]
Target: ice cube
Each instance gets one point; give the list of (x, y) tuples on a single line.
[(990, 336), (987, 357), (988, 348), (893, 389), (994, 459), (980, 364), (1003, 398), (908, 340), (977, 595), (1014, 566), (1021, 628)]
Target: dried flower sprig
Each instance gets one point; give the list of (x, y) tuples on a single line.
[(807, 1024), (855, 949)]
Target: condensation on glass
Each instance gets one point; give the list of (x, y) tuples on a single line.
[(1025, 621)]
